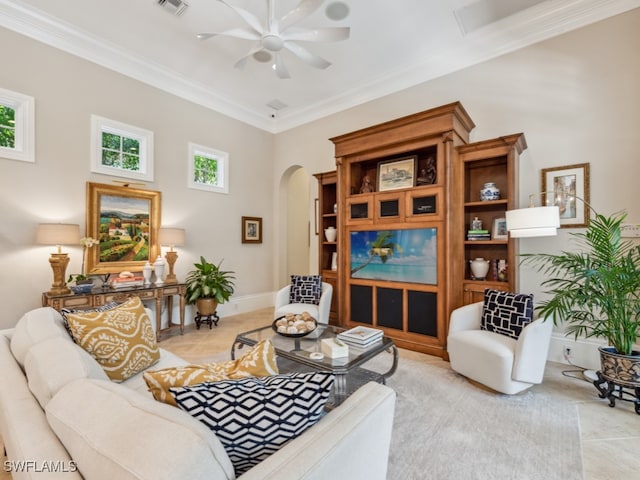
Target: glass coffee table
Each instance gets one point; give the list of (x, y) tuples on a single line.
[(295, 355)]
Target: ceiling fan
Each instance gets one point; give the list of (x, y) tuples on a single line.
[(277, 34)]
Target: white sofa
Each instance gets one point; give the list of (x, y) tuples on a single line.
[(60, 417)]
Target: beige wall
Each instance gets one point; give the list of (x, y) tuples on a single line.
[(575, 97), (67, 91)]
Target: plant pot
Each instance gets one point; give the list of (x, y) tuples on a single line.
[(620, 369), (206, 306)]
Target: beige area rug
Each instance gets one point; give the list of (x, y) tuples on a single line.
[(447, 428)]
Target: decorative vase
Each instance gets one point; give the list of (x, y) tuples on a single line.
[(479, 268), (334, 261), (82, 286), (489, 192), (206, 306), (620, 369), (476, 224), (158, 267), (147, 271), (330, 234)]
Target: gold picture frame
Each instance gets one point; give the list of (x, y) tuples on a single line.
[(397, 173), (126, 222), (251, 229), (570, 187)]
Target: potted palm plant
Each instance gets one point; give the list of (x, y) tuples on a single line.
[(208, 286), (595, 291)]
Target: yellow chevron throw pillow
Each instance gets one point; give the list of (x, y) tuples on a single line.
[(258, 361), (122, 339)]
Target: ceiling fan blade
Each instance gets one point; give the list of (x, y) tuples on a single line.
[(234, 32), (328, 34), (281, 69), (302, 10), (247, 16), (306, 56)]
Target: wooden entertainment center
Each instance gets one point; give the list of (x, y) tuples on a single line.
[(402, 247)]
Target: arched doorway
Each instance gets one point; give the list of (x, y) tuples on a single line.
[(294, 236)]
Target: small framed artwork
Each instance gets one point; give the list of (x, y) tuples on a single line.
[(499, 230), (398, 173), (568, 188), (251, 229)]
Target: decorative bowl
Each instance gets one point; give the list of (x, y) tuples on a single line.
[(82, 288), (274, 326)]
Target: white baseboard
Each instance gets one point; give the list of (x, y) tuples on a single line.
[(584, 352), (236, 305)]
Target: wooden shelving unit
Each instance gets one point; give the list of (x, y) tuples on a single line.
[(494, 160), (412, 308), (328, 217)]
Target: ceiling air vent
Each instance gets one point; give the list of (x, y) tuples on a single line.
[(174, 6), (481, 13), (276, 104)]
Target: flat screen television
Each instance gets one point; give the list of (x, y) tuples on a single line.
[(395, 255)]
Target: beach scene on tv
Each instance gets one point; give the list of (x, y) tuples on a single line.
[(395, 255)]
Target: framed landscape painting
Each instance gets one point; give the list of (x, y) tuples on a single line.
[(125, 221)]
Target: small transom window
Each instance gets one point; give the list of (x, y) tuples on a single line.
[(121, 150), (17, 126), (208, 169)]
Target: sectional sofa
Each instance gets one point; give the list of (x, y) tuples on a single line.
[(61, 417)]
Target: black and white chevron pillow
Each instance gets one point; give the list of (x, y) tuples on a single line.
[(255, 417), (506, 313)]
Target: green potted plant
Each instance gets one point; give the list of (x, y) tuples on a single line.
[(83, 283), (208, 285), (595, 291)]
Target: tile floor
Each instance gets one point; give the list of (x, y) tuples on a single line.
[(610, 436)]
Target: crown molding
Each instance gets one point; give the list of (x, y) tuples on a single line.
[(536, 24)]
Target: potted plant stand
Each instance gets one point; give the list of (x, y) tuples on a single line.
[(619, 378)]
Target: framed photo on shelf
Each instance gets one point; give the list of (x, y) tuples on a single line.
[(398, 173), (125, 221), (251, 229), (568, 188), (499, 230)]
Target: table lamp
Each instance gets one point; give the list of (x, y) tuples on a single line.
[(173, 237), (58, 234)]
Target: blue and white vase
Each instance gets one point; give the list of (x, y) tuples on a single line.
[(489, 192)]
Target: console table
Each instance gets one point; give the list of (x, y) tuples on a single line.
[(102, 295)]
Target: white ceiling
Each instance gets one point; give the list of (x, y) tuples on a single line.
[(394, 44)]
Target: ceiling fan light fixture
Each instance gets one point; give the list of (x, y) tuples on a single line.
[(272, 42), (262, 56), (337, 11)]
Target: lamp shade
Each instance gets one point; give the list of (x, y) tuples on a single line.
[(533, 221), (171, 236), (58, 234)]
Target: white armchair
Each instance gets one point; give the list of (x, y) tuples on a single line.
[(320, 312), (500, 362)]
